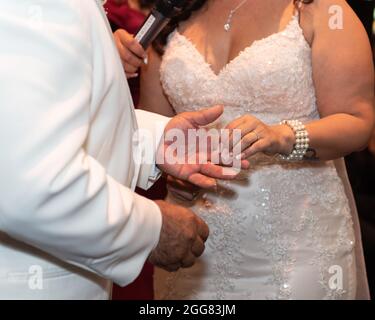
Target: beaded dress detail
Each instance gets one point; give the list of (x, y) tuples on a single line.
[(281, 230)]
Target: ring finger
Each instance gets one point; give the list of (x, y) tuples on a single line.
[(246, 142), (245, 128)]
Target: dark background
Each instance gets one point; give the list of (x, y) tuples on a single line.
[(361, 168)]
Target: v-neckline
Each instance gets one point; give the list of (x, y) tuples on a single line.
[(239, 55)]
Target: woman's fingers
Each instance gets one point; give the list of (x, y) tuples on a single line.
[(131, 75), (128, 41), (235, 123), (245, 124), (259, 146), (247, 141), (129, 68), (137, 49), (130, 60), (131, 52)]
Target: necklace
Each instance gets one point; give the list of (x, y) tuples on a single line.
[(227, 24)]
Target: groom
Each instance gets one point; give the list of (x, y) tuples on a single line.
[(70, 222)]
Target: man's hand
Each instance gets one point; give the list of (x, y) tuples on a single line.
[(200, 174), (182, 190), (182, 238)]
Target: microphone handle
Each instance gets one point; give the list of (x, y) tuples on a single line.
[(150, 29)]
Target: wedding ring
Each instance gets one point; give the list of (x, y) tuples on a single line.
[(256, 135)]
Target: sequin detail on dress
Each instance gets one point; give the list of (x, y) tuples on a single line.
[(278, 230)]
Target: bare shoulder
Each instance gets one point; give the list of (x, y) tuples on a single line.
[(334, 17), (341, 52)]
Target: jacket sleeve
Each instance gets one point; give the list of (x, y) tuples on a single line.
[(152, 126), (53, 195)]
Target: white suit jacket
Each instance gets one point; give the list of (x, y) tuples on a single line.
[(68, 215)]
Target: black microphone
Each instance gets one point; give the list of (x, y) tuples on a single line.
[(159, 17)]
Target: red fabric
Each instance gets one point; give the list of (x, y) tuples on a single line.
[(124, 16), (130, 20), (142, 288)]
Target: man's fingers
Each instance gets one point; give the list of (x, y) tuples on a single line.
[(198, 247), (202, 181), (181, 189), (180, 184), (188, 261), (203, 231), (218, 172), (172, 267), (205, 116), (182, 195)]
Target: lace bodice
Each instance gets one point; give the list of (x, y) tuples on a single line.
[(280, 227), (271, 78)]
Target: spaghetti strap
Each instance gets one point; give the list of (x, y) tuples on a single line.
[(297, 10)]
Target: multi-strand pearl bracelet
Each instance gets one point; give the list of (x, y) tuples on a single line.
[(302, 141)]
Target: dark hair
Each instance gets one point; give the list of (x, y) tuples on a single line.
[(190, 8), (146, 4)]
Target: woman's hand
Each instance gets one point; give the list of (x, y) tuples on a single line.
[(259, 137), (131, 52)]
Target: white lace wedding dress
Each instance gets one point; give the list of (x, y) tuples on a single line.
[(282, 230)]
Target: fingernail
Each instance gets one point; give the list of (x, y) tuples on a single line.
[(145, 60), (135, 75), (231, 172)]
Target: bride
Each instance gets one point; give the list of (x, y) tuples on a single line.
[(298, 82)]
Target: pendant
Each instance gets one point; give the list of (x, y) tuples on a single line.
[(228, 22)]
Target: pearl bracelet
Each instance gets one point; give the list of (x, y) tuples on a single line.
[(302, 141)]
